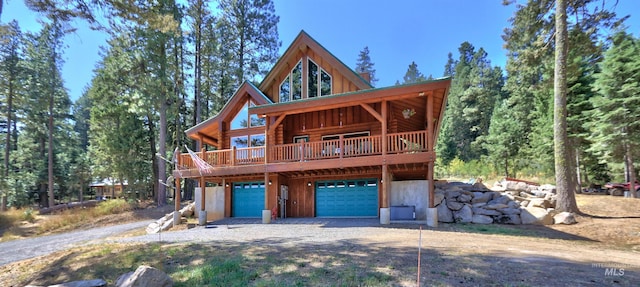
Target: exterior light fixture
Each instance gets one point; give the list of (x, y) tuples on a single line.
[(270, 182), (226, 185), (309, 183)]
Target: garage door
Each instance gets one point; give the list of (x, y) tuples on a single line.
[(247, 199), (345, 198)]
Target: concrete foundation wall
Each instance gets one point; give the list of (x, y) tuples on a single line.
[(411, 192), (214, 202)]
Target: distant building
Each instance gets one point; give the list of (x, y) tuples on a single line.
[(107, 188)]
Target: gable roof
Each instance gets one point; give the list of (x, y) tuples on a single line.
[(302, 42), (212, 125)]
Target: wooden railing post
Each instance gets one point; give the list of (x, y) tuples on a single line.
[(341, 145), (233, 156)]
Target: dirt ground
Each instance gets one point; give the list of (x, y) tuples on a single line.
[(603, 249)]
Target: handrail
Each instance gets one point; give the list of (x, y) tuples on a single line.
[(406, 142)]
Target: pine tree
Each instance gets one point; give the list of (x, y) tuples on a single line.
[(254, 26), (413, 75), (11, 79), (364, 65), (617, 106)]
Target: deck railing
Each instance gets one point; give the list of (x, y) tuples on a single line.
[(309, 151)]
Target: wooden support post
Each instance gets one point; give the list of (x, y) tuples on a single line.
[(384, 127), (430, 137), (266, 191), (177, 192), (202, 193), (385, 186)]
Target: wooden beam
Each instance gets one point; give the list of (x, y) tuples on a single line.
[(277, 122), (372, 111), (203, 137)]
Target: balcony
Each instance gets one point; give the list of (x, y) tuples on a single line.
[(306, 152)]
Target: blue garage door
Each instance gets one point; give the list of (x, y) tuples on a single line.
[(248, 199), (347, 198)]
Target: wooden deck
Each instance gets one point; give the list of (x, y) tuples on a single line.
[(410, 147)]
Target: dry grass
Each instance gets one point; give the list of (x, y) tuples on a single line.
[(20, 223)]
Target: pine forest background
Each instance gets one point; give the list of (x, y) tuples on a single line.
[(169, 66)]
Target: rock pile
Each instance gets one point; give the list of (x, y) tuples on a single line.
[(166, 222), (507, 202)]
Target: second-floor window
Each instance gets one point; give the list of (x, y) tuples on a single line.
[(243, 120), (318, 82)]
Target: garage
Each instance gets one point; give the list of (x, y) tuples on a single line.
[(347, 198), (247, 199)]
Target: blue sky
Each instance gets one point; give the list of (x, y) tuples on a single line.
[(396, 32)]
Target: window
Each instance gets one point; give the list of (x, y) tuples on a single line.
[(243, 120), (291, 87), (318, 75), (318, 82), (240, 142)]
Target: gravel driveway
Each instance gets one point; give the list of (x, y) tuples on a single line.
[(300, 230), (17, 250)]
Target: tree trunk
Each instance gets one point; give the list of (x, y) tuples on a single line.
[(3, 206), (632, 172), (578, 173), (565, 181), (50, 146), (154, 158)]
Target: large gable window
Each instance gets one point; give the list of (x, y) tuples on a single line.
[(318, 81), (243, 120), (291, 87)]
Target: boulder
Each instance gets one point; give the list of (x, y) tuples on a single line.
[(524, 203), (454, 205), (153, 227), (465, 198), (464, 215), (498, 188), (522, 186), (536, 215), (444, 213), (481, 197), (513, 204), (480, 186), (451, 194), (565, 218), (437, 198), (502, 199), (508, 219), (548, 188), (509, 211), (539, 202), (144, 276), (495, 206), (482, 211), (510, 185), (481, 219)]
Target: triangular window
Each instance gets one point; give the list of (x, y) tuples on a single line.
[(243, 120)]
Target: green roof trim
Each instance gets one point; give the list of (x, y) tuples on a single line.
[(352, 93), (207, 121)]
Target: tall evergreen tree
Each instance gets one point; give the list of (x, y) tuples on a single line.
[(11, 80), (254, 26), (473, 94), (364, 65), (617, 106), (413, 75)]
